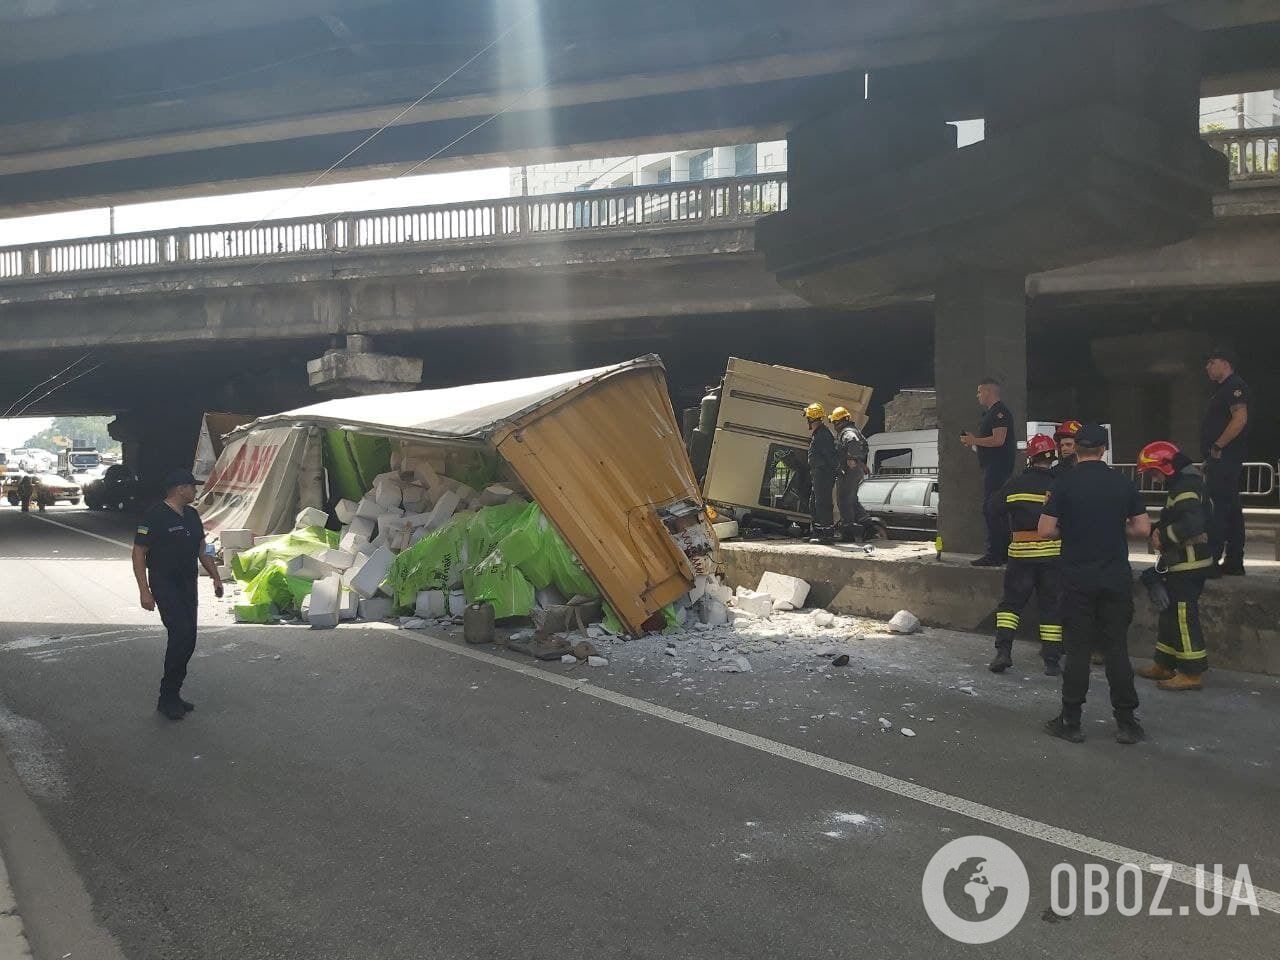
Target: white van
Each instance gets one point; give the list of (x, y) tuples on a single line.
[(916, 451)]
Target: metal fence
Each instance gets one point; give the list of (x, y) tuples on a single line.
[(429, 227), (1257, 480)]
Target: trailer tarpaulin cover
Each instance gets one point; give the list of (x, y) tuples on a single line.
[(600, 450), (254, 485)]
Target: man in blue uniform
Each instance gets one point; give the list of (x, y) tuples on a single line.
[(168, 544), (1033, 562), (997, 447), (1093, 509), (1224, 437)]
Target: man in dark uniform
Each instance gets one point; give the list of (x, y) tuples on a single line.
[(1065, 437), (823, 464), (997, 447), (1033, 562), (851, 452), (169, 542), (1224, 436), (26, 489), (1181, 542), (1093, 508)]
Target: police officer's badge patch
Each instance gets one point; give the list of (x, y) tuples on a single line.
[(1239, 393)]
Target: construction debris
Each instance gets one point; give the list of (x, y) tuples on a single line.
[(904, 622)]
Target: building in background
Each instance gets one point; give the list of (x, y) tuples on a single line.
[(650, 168), (1241, 111)]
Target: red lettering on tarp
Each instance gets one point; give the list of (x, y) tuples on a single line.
[(245, 471)]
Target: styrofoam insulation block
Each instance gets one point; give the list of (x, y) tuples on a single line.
[(337, 559), (306, 567), (375, 608), (236, 539), (388, 493), (351, 542), (755, 604), (368, 507), (363, 527), (443, 510), (345, 511), (310, 517), (784, 588), (349, 607), (372, 573), (326, 602), (431, 604)]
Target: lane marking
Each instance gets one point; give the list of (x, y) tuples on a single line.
[(1092, 847), (86, 533)]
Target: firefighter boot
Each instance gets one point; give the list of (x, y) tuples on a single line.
[(1128, 729), (1181, 681), (1004, 657), (1155, 672)]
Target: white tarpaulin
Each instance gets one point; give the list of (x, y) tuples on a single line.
[(471, 412), (265, 461)]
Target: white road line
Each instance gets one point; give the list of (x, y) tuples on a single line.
[(988, 816), (96, 536)]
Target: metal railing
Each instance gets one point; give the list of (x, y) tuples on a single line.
[(1251, 154), (1256, 480), (428, 227)]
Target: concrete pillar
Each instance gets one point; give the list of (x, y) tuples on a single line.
[(980, 331)]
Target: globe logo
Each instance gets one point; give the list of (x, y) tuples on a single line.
[(975, 889)]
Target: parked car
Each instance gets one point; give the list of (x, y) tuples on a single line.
[(50, 489), (116, 489), (907, 506)]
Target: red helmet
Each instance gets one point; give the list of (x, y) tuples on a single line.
[(1039, 445), (1067, 428), (1158, 455)]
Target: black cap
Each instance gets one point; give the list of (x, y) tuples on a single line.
[(1223, 353), (1091, 435), (178, 478)]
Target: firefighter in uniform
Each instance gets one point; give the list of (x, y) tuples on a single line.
[(169, 541), (851, 451), (1065, 437), (26, 489), (1033, 562), (823, 464), (1094, 509), (1181, 541)]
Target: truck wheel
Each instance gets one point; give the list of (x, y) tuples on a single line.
[(75, 502)]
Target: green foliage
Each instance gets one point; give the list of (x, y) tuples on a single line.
[(91, 430)]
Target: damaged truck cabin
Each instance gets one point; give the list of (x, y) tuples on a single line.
[(597, 451)]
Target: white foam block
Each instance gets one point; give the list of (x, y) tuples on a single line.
[(756, 604), (369, 508), (307, 568), (375, 608), (236, 539), (784, 588), (326, 602), (414, 497), (349, 607), (443, 510), (310, 517), (337, 559), (363, 527), (388, 492), (352, 542), (345, 511), (372, 572), (431, 604)]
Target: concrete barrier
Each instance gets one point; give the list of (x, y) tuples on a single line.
[(1241, 617)]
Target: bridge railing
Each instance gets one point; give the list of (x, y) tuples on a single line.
[(1251, 154), (437, 226)]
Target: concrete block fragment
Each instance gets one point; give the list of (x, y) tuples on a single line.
[(363, 527), (236, 539), (568, 658), (375, 608), (784, 588), (388, 492), (904, 621), (712, 611), (372, 573), (345, 511), (352, 542), (306, 567), (310, 517), (755, 604), (337, 559), (597, 662), (719, 591), (326, 602), (431, 604), (445, 508), (369, 508), (823, 618), (418, 519), (349, 608)]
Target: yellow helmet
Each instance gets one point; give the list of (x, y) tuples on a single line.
[(840, 413), (815, 411)]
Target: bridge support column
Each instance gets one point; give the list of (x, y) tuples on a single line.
[(156, 439)]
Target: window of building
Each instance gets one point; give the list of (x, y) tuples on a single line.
[(744, 160), (700, 167)]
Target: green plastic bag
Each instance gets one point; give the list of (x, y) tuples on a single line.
[(308, 540), (534, 546), (275, 587), (489, 526), (256, 613), (430, 564), (500, 584)]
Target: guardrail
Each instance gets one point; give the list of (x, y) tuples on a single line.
[(1251, 154), (1256, 480), (427, 227)]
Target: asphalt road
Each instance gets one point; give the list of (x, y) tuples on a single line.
[(368, 793)]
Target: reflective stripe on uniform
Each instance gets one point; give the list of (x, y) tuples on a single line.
[(1191, 565), (1032, 549), (1006, 619), (1026, 498), (1189, 495), (1050, 633)]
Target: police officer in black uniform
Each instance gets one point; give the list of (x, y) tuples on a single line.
[(1224, 436), (1033, 561), (169, 542), (1181, 542), (1093, 508), (851, 451), (823, 463), (997, 447)]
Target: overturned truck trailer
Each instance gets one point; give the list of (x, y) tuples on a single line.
[(599, 450)]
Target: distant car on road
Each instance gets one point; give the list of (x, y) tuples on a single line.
[(116, 489), (50, 489)]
